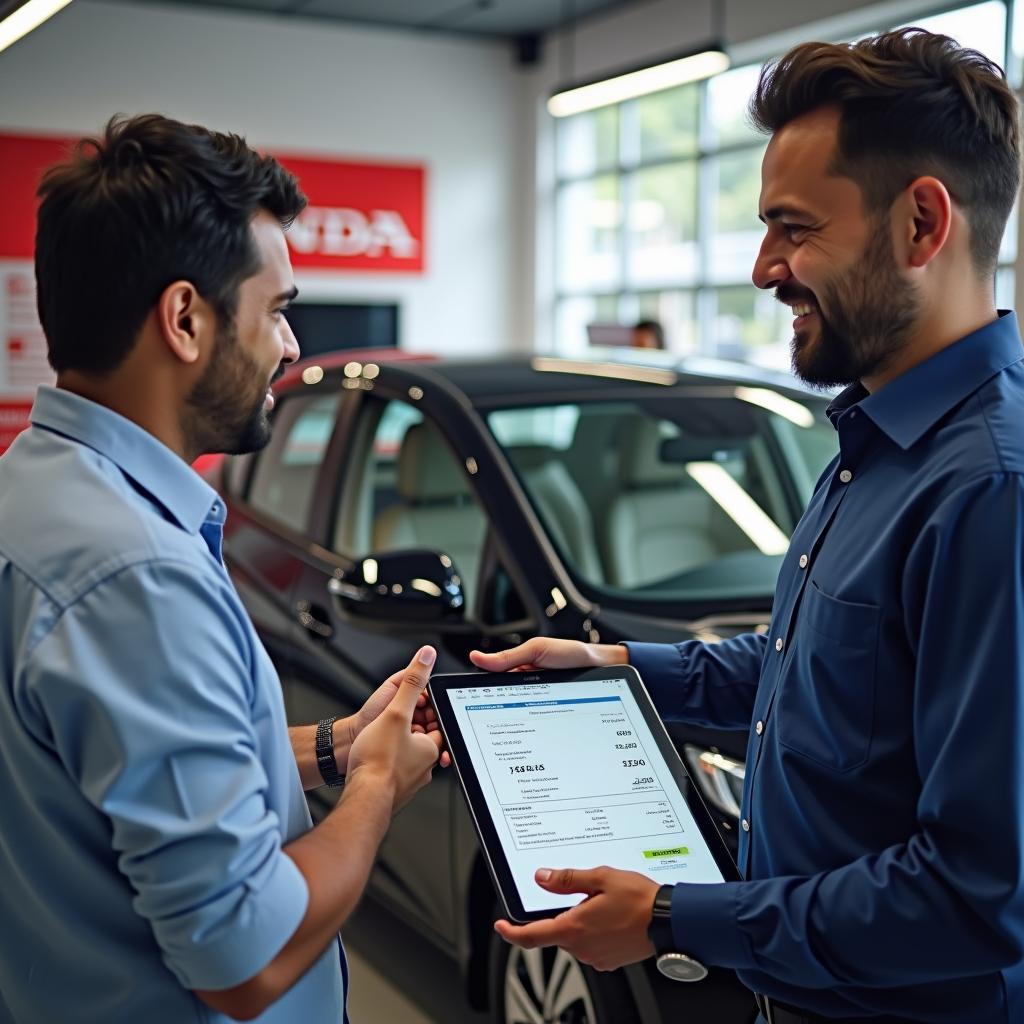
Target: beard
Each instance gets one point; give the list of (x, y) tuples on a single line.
[(226, 408), (872, 311)]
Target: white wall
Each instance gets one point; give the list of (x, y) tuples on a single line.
[(459, 106), (309, 87)]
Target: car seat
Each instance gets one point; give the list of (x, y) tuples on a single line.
[(436, 508), (561, 505), (661, 522)]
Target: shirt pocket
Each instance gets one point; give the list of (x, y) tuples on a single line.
[(826, 702)]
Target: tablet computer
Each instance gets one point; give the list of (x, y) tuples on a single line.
[(573, 769)]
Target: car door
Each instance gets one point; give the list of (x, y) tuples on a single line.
[(400, 487), (269, 496)]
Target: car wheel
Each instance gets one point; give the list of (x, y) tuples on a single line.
[(548, 986)]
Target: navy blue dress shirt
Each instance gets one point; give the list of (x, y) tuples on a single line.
[(882, 813)]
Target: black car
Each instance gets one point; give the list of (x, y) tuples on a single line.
[(473, 504)]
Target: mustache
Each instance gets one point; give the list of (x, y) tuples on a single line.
[(787, 294), (278, 375)]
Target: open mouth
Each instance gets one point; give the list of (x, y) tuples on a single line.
[(804, 311)]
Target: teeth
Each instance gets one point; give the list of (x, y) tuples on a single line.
[(803, 309)]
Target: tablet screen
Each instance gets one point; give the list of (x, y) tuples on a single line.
[(573, 777)]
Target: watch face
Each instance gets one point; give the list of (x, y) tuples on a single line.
[(680, 967)]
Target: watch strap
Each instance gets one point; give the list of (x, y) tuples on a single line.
[(325, 753), (660, 929)]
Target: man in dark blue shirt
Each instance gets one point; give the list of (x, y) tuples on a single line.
[(882, 840)]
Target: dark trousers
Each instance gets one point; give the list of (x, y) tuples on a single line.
[(779, 1013)]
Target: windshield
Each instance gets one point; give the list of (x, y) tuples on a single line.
[(691, 496)]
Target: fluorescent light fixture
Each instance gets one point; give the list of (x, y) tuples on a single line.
[(778, 404), (576, 100), (25, 18), (739, 507), (614, 371)]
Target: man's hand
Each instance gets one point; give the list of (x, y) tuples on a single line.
[(548, 652), (607, 930), (424, 718), (388, 750)]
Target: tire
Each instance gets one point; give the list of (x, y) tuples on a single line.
[(548, 986)]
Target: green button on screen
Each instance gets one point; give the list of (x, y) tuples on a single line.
[(678, 851)]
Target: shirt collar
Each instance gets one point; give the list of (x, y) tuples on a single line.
[(149, 463), (907, 407)]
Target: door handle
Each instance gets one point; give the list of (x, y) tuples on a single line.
[(313, 618)]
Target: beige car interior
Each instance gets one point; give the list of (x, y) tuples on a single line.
[(615, 509), (661, 522), (435, 507)]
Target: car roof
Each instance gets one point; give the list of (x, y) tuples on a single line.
[(493, 379)]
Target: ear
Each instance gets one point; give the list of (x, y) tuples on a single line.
[(930, 218), (186, 320)]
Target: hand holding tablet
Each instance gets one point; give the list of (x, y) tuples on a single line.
[(573, 769)]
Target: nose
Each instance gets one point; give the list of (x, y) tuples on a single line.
[(291, 343), (770, 268)]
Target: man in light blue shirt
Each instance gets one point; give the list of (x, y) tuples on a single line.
[(157, 854)]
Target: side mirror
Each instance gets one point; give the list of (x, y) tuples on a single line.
[(411, 586)]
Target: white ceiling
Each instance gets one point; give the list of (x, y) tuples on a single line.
[(509, 19)]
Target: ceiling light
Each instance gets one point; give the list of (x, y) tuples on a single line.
[(691, 68), (25, 17)]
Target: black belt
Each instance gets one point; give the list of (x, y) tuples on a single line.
[(778, 1013)]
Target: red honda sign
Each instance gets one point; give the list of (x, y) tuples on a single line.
[(23, 158), (13, 420), (361, 216)]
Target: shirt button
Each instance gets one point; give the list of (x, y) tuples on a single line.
[(803, 561), (778, 644), (846, 476), (759, 728), (745, 825)]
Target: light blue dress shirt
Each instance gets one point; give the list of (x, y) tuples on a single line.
[(882, 833), (147, 783)]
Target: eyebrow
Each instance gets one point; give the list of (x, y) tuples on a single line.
[(287, 296), (784, 211)]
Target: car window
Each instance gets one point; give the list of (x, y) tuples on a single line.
[(685, 497), (406, 489), (285, 474)]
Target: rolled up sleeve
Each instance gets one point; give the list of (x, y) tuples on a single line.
[(156, 728)]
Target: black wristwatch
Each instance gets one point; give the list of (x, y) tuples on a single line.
[(674, 965), (325, 753)]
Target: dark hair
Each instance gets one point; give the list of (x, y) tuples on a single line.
[(657, 331), (151, 202), (911, 103)]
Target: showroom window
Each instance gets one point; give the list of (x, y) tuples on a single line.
[(656, 216)]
